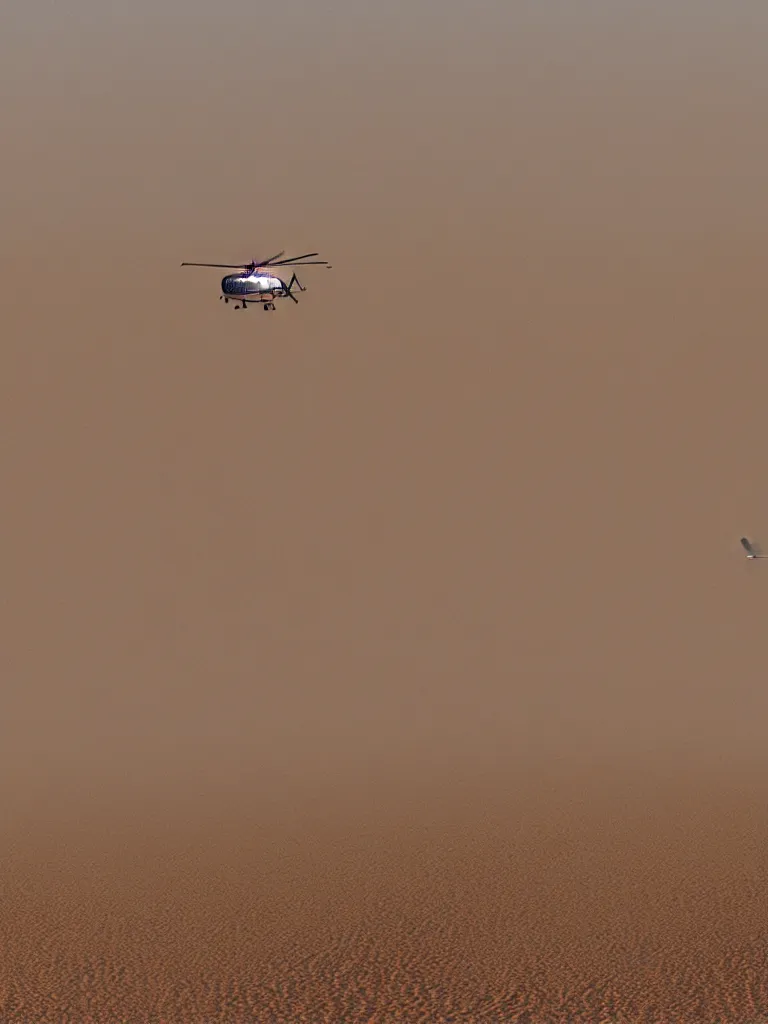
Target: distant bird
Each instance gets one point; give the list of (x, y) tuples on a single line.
[(751, 551)]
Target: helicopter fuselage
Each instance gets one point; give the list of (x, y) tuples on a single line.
[(256, 284)]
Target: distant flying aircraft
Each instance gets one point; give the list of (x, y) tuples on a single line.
[(257, 282), (751, 550)]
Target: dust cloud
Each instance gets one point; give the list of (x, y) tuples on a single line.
[(392, 656)]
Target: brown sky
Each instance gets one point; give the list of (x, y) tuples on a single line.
[(465, 518)]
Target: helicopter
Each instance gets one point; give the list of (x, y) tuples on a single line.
[(258, 282)]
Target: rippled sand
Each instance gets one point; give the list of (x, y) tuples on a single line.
[(555, 909)]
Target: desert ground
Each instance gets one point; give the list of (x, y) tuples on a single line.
[(390, 657)]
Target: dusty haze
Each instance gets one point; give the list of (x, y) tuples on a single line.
[(390, 657)]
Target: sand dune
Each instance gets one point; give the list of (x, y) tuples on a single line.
[(391, 657)]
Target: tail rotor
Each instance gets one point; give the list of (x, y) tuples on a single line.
[(294, 281)]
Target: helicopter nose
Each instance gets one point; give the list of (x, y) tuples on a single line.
[(233, 284)]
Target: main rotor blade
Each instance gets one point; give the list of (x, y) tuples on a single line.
[(236, 266), (302, 263), (293, 259), (224, 266), (264, 263)]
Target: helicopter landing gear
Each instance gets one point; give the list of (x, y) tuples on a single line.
[(267, 306)]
